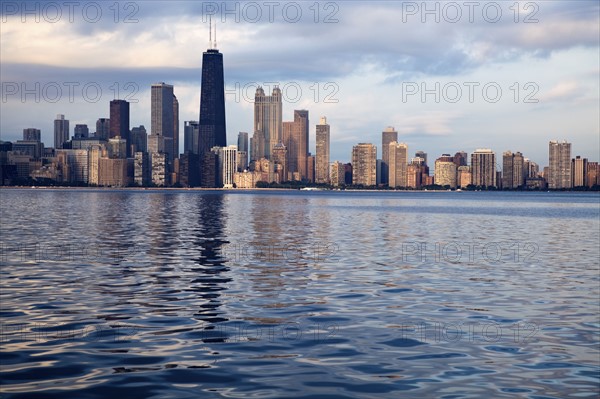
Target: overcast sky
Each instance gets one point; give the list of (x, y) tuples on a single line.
[(506, 76)]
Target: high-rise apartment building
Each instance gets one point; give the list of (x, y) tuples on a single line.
[(322, 156), (398, 164), (580, 169), (336, 174), (364, 164), (513, 170), (483, 168), (445, 171), (388, 136), (559, 173)]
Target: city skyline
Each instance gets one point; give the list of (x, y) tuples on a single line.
[(565, 72)]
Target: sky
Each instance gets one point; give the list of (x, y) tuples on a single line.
[(448, 76)]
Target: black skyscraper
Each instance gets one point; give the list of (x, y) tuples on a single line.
[(212, 107)]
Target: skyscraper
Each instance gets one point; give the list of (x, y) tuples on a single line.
[(61, 131), (139, 140), (483, 168), (364, 164), (397, 164), (212, 104), (559, 165), (388, 136), (295, 139), (322, 160), (422, 154), (162, 122), (460, 158), (119, 120), (268, 118)]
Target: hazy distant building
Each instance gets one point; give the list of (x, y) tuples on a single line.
[(423, 155), (139, 140), (61, 131), (32, 134), (191, 135), (460, 158), (243, 151), (464, 177), (279, 157), (268, 118), (559, 165), (580, 169), (388, 136), (364, 164), (445, 171), (513, 170), (532, 169), (103, 128), (322, 156), (483, 168), (398, 164), (593, 174), (81, 131)]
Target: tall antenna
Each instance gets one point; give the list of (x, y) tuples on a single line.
[(215, 35), (209, 32)]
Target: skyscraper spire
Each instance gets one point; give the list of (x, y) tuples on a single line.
[(210, 32), (215, 36)]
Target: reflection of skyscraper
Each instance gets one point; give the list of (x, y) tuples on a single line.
[(559, 165), (387, 136), (322, 156), (268, 119), (212, 107)]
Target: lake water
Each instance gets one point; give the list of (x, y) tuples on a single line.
[(200, 294)]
